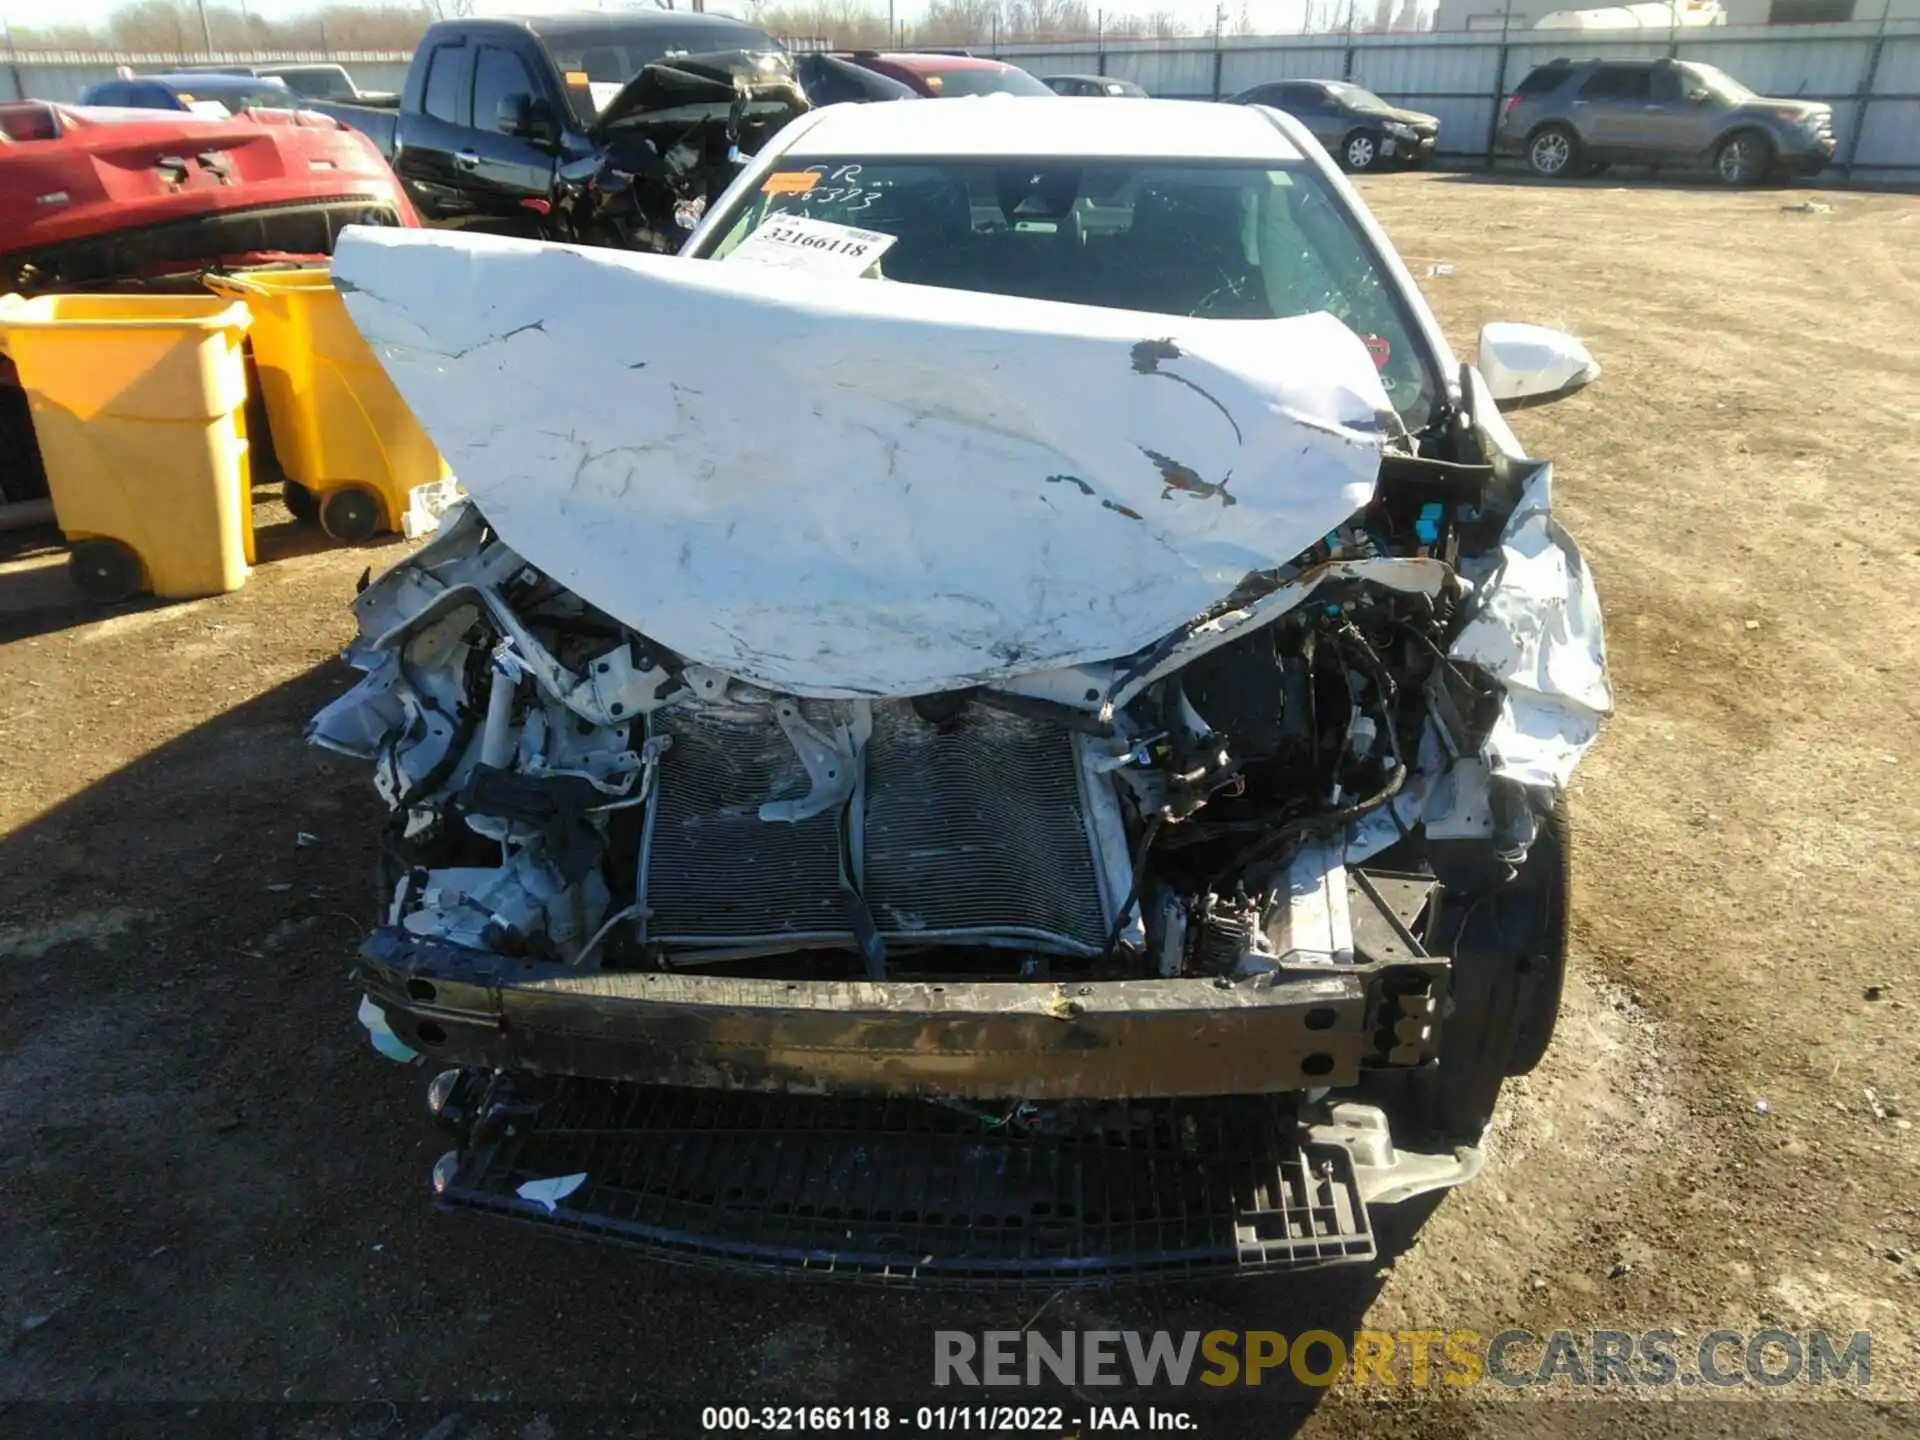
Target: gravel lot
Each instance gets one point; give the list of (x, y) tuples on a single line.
[(211, 1192)]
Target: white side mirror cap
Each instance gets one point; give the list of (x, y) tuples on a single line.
[(1531, 364)]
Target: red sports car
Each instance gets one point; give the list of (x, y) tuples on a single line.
[(96, 198)]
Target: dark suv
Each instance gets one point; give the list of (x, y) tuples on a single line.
[(1574, 117)]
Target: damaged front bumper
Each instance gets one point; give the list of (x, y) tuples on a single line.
[(860, 1128), (1073, 1041)]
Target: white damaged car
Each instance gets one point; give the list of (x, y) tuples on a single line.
[(1004, 718)]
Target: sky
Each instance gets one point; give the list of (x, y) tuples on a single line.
[(1269, 16)]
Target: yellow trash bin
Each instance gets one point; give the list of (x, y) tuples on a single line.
[(139, 408), (353, 453)]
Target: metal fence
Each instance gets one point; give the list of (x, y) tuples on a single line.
[(1868, 72), (64, 74)]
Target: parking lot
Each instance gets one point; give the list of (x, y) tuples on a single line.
[(212, 1191)]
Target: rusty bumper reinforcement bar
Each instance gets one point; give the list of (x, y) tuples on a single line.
[(890, 1190), (1091, 1040)]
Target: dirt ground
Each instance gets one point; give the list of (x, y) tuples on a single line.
[(212, 1192)]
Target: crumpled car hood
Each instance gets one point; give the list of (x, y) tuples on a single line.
[(717, 80), (835, 487)]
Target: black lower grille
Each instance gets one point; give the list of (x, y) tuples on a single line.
[(906, 1191)]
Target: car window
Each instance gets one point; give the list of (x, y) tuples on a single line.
[(450, 85), (114, 92), (497, 74), (244, 99), (1357, 97), (1221, 241), (1547, 77), (1009, 81), (829, 80), (1666, 86), (1721, 84), (595, 63), (1618, 82), (319, 82)]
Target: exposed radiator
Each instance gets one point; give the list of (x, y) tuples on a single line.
[(975, 832), (712, 872), (978, 829)]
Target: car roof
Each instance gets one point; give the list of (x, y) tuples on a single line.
[(558, 24), (1079, 75), (211, 80), (1122, 128), (935, 64), (1325, 87)]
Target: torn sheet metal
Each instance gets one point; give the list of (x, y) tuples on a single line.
[(838, 487), (1537, 630)]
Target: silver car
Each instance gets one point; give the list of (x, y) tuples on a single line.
[(1094, 86), (1574, 117)]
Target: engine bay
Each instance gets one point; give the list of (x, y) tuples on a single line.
[(567, 791)]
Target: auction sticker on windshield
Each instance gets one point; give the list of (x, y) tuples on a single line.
[(790, 182), (799, 242)]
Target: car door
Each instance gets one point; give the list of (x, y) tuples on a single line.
[(1319, 112), (505, 170), (1683, 117), (434, 136), (1611, 109), (1293, 99)]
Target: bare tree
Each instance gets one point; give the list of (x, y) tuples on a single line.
[(849, 24), (961, 22), (175, 25), (396, 24)]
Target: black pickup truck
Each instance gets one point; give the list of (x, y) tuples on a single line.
[(514, 124)]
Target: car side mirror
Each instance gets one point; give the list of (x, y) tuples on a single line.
[(1528, 365), (1699, 97), (524, 116)]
